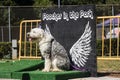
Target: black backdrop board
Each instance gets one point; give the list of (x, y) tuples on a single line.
[(74, 27)]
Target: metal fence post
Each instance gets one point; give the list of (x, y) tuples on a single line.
[(58, 3), (9, 24), (2, 34)]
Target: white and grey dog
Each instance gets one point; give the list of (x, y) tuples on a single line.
[(56, 57)]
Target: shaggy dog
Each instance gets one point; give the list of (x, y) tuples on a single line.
[(56, 57)]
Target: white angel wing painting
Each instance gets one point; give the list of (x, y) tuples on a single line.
[(81, 49)]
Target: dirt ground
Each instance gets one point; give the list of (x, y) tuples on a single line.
[(112, 74)]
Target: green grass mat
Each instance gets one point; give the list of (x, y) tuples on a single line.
[(38, 75), (7, 67), (27, 70)]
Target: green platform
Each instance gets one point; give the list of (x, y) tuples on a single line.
[(38, 75), (27, 70), (8, 67)]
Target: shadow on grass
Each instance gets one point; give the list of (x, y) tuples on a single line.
[(26, 76)]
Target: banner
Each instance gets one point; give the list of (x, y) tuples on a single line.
[(74, 27)]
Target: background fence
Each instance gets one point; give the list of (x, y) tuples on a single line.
[(10, 18), (110, 45), (28, 49)]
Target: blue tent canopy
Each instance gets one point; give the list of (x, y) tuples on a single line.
[(107, 22)]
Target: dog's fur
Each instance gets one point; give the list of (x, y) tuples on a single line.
[(56, 57)]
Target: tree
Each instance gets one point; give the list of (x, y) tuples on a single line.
[(7, 3), (79, 2), (24, 2), (3, 16), (4, 11), (43, 3)]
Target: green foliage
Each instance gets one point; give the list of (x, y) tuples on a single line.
[(16, 2), (43, 3), (112, 1), (54, 2), (27, 49), (17, 14), (3, 16), (78, 2), (7, 3), (24, 2), (5, 49)]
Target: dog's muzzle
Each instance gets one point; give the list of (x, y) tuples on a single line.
[(28, 36), (31, 38)]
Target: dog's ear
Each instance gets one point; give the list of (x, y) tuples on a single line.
[(47, 30), (39, 26)]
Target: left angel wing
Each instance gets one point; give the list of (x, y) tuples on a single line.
[(82, 48)]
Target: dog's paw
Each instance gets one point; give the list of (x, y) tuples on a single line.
[(57, 70), (45, 70)]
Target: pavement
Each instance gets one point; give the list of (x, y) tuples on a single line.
[(97, 78), (8, 79), (88, 78)]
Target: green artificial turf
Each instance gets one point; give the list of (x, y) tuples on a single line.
[(7, 67), (27, 70), (38, 75)]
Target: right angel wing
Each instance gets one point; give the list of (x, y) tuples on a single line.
[(82, 48)]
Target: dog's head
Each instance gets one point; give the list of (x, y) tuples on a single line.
[(36, 34)]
